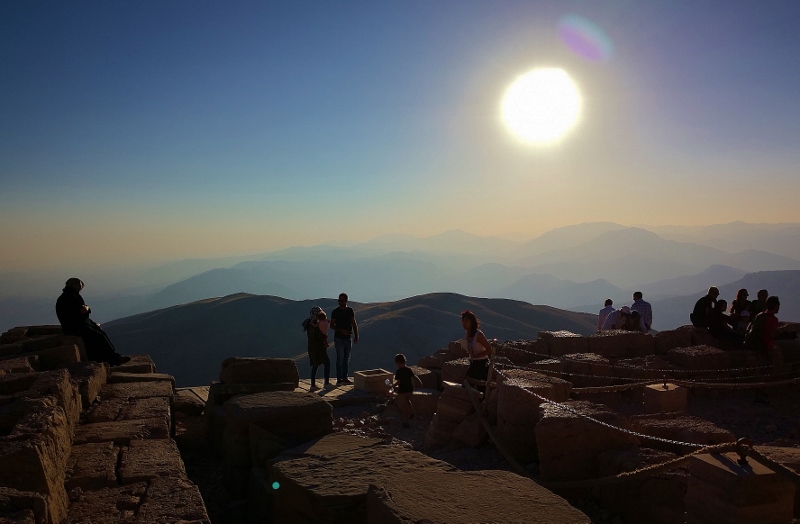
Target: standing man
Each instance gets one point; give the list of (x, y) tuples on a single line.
[(603, 314), (645, 312), (343, 322)]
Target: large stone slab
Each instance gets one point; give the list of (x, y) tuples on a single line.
[(22, 507), (569, 444), (190, 401), (137, 364), (144, 460), (439, 496), (136, 390), (455, 370), (33, 454), (124, 431), (560, 343), (679, 427), (252, 370), (521, 352), (334, 488), (697, 358), (92, 466), (19, 365), (621, 344), (172, 500), (110, 505), (673, 338), (90, 377), (129, 409), (118, 377), (586, 370)]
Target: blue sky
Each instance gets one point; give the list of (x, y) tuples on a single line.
[(162, 129)]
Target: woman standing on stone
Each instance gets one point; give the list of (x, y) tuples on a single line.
[(478, 348), (316, 328)]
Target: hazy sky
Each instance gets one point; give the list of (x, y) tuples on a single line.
[(160, 129)]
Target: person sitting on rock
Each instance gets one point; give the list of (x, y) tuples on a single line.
[(703, 307), (603, 314), (617, 318), (759, 305), (720, 325), (632, 322), (740, 311), (73, 315)]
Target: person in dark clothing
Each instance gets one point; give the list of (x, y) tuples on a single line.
[(720, 325), (73, 315), (759, 305), (316, 328), (343, 322), (703, 307), (478, 349), (404, 381)]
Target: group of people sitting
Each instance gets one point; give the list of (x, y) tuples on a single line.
[(749, 322), (636, 317)]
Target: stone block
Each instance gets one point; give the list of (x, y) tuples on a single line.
[(57, 357), (664, 398), (264, 446), (453, 409), (455, 370), (144, 460), (471, 431), (90, 377), (430, 380), (701, 337), (33, 455), (129, 409), (458, 348), (137, 364), (697, 358), (122, 432), (521, 352), (405, 497), (455, 389), (252, 370), (789, 458), (550, 366), (43, 331), (92, 466), (673, 338), (172, 500), (722, 490), (519, 439), (373, 381), (424, 401), (219, 393), (18, 365), (314, 489), (22, 507), (655, 499), (188, 402), (569, 444), (110, 505), (116, 377), (136, 390), (430, 362), (560, 343), (586, 370), (647, 368), (620, 344), (679, 427), (517, 405)]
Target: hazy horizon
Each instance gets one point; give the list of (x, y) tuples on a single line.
[(142, 132)]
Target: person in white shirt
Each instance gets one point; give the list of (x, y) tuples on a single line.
[(603, 314)]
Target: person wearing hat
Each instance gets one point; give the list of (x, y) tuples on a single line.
[(316, 328), (617, 318)]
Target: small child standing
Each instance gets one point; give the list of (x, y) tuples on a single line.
[(404, 382)]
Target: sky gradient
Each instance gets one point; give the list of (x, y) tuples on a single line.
[(154, 130)]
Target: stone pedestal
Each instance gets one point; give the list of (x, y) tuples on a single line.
[(373, 380), (723, 491), (665, 398)]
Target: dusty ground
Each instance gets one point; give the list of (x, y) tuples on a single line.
[(776, 423)]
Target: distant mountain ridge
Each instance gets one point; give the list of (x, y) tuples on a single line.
[(190, 341)]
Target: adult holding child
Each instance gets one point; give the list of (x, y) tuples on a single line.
[(478, 348), (316, 328)]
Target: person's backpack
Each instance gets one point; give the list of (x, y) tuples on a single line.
[(754, 335)]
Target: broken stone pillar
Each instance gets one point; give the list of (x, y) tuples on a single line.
[(664, 398), (721, 490)]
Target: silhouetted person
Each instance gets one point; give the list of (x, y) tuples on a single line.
[(478, 348), (704, 307), (316, 328), (343, 322), (645, 311), (617, 319), (720, 325), (759, 305), (740, 311), (760, 337), (73, 314), (603, 314)]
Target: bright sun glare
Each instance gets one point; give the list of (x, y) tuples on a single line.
[(542, 105)]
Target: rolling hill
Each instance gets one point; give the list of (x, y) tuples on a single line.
[(190, 341)]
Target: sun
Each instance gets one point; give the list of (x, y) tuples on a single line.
[(542, 105)]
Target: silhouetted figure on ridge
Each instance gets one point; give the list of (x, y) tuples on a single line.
[(645, 312), (73, 314), (703, 308), (603, 314), (343, 322)]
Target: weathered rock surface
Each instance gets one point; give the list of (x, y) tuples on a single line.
[(251, 370), (620, 344), (679, 427), (461, 497), (560, 343)]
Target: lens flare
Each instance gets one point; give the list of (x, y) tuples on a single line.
[(276, 485), (584, 38)]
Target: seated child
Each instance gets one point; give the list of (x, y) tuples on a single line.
[(404, 381)]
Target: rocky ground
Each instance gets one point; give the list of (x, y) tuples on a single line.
[(776, 423)]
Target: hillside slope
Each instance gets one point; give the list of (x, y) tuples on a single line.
[(190, 341)]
